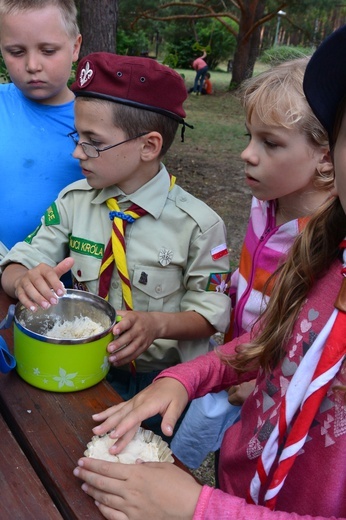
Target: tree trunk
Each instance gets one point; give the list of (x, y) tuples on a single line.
[(98, 25), (247, 42), (255, 39)]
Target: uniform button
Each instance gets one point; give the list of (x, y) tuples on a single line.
[(183, 198), (115, 285), (158, 289), (79, 272)]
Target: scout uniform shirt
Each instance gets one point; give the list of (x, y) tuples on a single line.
[(174, 254)]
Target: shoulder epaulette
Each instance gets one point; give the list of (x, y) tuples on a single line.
[(202, 214), (77, 185)]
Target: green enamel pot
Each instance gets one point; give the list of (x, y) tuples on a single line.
[(63, 365)]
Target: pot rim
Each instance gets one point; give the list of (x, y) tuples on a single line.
[(73, 294)]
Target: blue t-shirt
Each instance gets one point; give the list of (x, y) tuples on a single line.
[(35, 160)]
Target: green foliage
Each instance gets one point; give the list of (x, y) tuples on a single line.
[(219, 43), (197, 47), (132, 44), (179, 54), (4, 77), (182, 48), (73, 74), (279, 53), (171, 59)]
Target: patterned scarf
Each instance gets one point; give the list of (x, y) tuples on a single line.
[(305, 393), (115, 252)]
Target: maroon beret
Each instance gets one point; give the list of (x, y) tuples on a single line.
[(139, 82)]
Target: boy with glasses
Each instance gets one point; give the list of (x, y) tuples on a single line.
[(170, 276)]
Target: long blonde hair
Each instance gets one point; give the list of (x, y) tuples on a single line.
[(309, 258)]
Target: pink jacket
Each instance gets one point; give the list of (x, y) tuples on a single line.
[(316, 485), (265, 246)]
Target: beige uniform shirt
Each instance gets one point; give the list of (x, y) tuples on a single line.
[(171, 253)]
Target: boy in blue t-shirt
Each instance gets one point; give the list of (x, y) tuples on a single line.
[(39, 41)]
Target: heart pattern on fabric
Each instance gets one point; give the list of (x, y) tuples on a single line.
[(288, 367), (305, 326), (283, 384), (292, 351), (313, 315)]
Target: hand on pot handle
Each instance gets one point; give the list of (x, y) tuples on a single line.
[(36, 287)]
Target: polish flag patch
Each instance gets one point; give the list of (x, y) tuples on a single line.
[(219, 251)]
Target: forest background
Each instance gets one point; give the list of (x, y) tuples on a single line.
[(233, 31)]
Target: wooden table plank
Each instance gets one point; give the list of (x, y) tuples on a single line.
[(53, 430), (22, 495)]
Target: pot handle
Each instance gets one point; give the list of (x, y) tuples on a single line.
[(7, 361), (6, 322)]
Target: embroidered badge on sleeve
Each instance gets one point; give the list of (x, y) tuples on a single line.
[(219, 282), (219, 251), (52, 217)]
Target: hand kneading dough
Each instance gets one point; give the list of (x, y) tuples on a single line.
[(145, 446)]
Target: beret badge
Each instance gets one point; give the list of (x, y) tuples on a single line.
[(85, 75)]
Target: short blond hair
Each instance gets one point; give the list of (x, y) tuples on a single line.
[(67, 8)]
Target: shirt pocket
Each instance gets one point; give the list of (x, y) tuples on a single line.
[(86, 269), (157, 289)]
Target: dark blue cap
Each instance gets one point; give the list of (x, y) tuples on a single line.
[(325, 79)]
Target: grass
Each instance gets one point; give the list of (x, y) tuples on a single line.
[(208, 163), (218, 119)]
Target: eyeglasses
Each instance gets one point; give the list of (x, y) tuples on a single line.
[(92, 151)]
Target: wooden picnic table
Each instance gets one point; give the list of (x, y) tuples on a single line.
[(52, 429), (22, 494)]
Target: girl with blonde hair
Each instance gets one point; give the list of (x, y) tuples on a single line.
[(289, 171)]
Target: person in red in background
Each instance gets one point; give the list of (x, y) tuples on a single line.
[(201, 68), (207, 85)]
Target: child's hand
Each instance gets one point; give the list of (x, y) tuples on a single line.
[(144, 490), (134, 491), (133, 335), (166, 396), (41, 286), (238, 394), (137, 331)]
